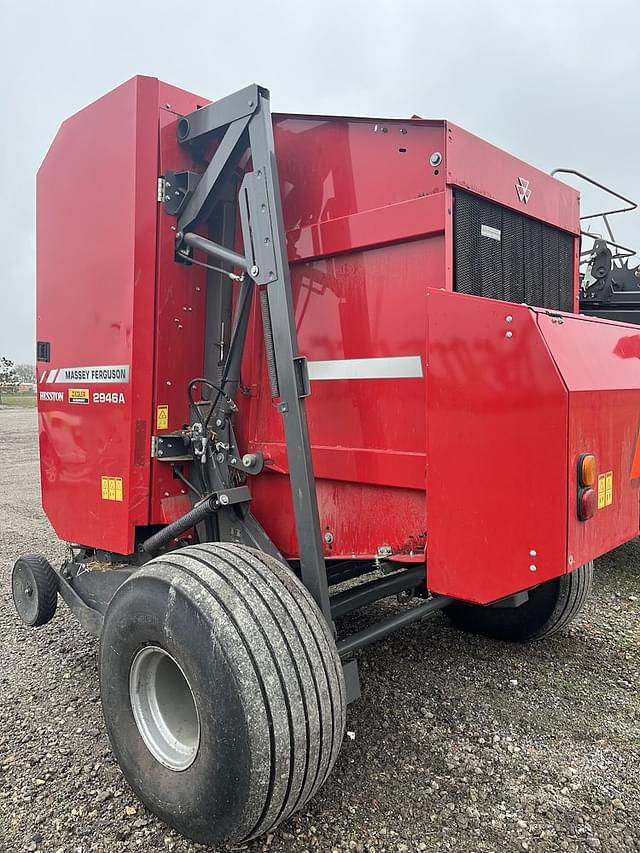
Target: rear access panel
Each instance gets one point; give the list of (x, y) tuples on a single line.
[(96, 262), (600, 364), (497, 413)]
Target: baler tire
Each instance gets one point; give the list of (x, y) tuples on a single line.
[(551, 608), (264, 676), (35, 590)]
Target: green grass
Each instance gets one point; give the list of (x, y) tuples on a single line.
[(23, 401)]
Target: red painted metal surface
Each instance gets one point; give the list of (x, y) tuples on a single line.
[(345, 308), (477, 460), (179, 317), (96, 224), (476, 165), (496, 447), (600, 364)]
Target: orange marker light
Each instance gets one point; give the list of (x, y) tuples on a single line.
[(587, 470)]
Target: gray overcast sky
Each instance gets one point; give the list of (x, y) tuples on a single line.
[(556, 83)]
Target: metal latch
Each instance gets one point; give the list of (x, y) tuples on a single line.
[(170, 448), (161, 188)]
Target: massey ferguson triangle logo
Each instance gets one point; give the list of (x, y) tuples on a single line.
[(522, 188)]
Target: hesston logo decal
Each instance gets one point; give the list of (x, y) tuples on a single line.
[(52, 396)]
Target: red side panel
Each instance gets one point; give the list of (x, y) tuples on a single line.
[(362, 252), (96, 244), (368, 435), (180, 314), (476, 165), (600, 364), (496, 447)]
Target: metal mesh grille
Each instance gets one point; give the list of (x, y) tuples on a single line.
[(530, 262)]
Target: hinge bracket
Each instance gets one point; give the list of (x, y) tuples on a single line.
[(161, 189), (171, 447)]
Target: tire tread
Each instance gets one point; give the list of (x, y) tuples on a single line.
[(46, 585), (294, 667), (550, 610)]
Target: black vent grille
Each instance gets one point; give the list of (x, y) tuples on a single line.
[(501, 254)]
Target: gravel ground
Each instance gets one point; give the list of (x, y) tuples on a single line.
[(457, 743)]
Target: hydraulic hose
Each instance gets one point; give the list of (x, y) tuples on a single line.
[(154, 544)]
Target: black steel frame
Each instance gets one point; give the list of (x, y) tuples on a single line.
[(239, 122)]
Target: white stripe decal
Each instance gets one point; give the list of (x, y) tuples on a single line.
[(52, 376), (397, 367), (44, 376), (103, 373)]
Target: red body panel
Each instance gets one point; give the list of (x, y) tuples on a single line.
[(429, 460), (476, 165), (346, 309), (600, 364), (179, 320), (497, 448), (96, 224)]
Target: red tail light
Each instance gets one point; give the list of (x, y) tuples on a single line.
[(587, 503), (587, 478)]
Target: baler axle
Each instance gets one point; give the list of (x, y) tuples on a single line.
[(367, 593), (380, 630)]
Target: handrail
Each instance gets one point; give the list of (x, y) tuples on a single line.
[(632, 205)]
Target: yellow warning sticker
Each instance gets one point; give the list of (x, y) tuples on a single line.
[(111, 488), (78, 395), (162, 417), (608, 494), (605, 489)]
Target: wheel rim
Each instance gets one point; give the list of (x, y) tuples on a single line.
[(25, 594), (164, 708)]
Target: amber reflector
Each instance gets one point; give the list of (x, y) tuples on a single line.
[(587, 471)]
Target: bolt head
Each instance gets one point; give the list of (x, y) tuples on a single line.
[(533, 568), (224, 499), (435, 159), (508, 334), (508, 319), (533, 553), (254, 271)]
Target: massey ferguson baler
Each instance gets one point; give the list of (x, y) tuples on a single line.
[(277, 353)]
